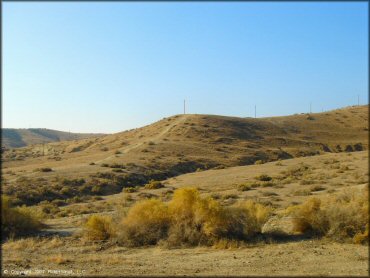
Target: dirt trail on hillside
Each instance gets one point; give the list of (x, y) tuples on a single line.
[(153, 139), (159, 136)]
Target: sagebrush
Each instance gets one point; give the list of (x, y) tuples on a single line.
[(17, 221), (341, 217), (189, 219)]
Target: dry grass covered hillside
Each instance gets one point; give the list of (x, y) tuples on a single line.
[(194, 195), (21, 137), (300, 216), (173, 146)]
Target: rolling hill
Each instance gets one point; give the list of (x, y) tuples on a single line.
[(177, 145), (19, 137), (68, 183)]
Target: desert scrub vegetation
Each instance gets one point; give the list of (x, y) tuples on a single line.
[(307, 181), (187, 220), (255, 184), (301, 192), (99, 227), (115, 165), (146, 223), (342, 217), (17, 221), (246, 186), (58, 259), (264, 177), (154, 185), (32, 243), (130, 189), (317, 187), (296, 172), (44, 169), (31, 191)]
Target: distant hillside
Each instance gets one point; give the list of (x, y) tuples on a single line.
[(19, 137), (174, 146), (184, 143)]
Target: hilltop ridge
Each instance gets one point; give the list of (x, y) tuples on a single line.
[(194, 141)]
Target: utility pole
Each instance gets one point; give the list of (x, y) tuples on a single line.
[(310, 107), (184, 107), (255, 111), (358, 100), (43, 148)]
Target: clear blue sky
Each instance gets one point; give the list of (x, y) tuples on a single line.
[(107, 67)]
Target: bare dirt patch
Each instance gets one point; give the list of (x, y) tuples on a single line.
[(295, 258)]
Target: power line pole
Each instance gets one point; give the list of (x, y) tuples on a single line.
[(43, 148), (184, 106), (310, 107), (358, 100), (255, 111)]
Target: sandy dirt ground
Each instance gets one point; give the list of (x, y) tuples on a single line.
[(71, 255)]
